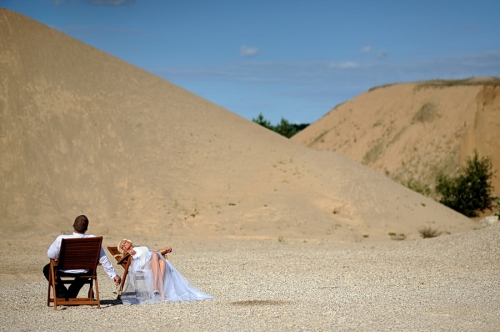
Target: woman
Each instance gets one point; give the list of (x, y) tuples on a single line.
[(152, 279)]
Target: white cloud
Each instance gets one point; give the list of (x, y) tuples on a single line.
[(344, 65), (316, 85), (112, 2), (96, 2), (60, 2), (367, 50), (248, 51), (348, 78)]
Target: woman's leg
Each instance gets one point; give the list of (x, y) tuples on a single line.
[(155, 269), (158, 268), (162, 264)]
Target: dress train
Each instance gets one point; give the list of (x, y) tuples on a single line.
[(139, 285)]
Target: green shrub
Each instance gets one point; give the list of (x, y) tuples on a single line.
[(283, 128), (471, 191), (263, 122)]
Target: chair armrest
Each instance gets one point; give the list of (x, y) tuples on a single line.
[(123, 259)]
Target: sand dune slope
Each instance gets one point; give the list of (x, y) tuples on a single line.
[(84, 132), (413, 131)]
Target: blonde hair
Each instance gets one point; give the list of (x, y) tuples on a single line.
[(119, 247)]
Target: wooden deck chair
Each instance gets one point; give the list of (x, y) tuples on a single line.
[(76, 254), (123, 261)]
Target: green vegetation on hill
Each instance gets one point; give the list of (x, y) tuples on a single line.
[(460, 82), (283, 128), (471, 191), (442, 83)]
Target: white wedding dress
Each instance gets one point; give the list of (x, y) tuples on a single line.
[(139, 285)]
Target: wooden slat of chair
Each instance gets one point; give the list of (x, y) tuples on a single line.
[(76, 254)]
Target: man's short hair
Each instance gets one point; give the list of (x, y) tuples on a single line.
[(81, 224)]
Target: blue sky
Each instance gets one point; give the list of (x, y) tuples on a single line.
[(284, 58)]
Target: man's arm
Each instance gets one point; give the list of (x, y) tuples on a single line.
[(108, 267), (54, 248)]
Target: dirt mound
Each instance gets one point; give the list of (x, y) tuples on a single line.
[(413, 131), (83, 132)]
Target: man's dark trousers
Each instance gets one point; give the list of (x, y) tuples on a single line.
[(74, 287)]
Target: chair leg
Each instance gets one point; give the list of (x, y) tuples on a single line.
[(122, 283), (91, 290), (49, 285), (97, 294), (53, 282), (48, 294)]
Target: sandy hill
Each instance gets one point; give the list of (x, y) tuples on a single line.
[(413, 131), (82, 132)]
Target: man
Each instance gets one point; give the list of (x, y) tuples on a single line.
[(79, 228)]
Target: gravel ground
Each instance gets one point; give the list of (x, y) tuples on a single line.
[(450, 283)]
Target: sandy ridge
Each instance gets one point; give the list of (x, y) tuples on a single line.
[(412, 131)]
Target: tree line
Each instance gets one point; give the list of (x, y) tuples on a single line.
[(284, 127)]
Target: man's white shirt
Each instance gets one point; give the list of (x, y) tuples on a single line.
[(55, 247)]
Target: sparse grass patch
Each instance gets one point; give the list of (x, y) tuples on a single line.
[(463, 82), (194, 214), (373, 154), (281, 239), (427, 113), (397, 237), (417, 186), (429, 232), (398, 135), (335, 226), (381, 86), (319, 138)]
